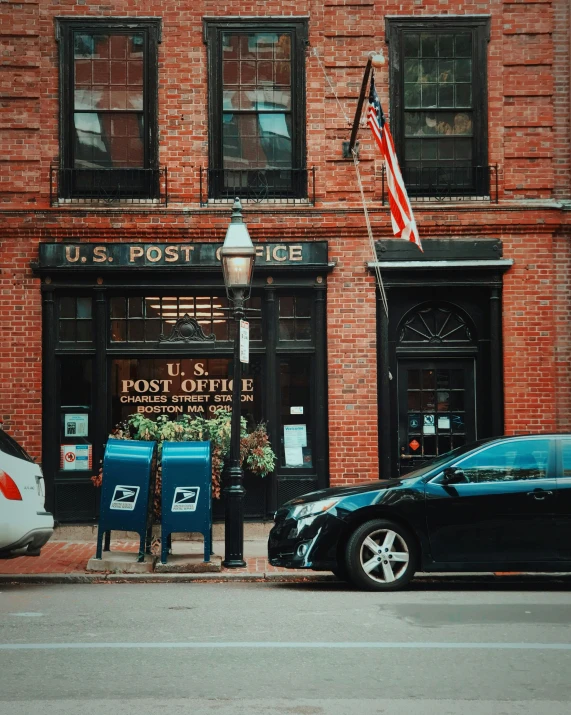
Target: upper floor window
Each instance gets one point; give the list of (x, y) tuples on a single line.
[(108, 108), (256, 108), (438, 103)]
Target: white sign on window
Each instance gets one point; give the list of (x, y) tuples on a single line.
[(244, 341), (295, 436), (76, 425)]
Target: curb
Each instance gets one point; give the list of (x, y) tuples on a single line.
[(273, 577), (75, 578)]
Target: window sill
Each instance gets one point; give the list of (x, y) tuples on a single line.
[(260, 202), (85, 201)]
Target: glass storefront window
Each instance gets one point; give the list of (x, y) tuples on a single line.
[(295, 318), (143, 319), (75, 319), (175, 387), (296, 413)]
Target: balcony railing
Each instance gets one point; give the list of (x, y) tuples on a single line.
[(448, 183), (109, 186), (257, 185)]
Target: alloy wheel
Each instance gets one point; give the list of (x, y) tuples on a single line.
[(384, 556)]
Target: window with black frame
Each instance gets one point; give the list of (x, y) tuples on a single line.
[(438, 101), (257, 108), (108, 71)]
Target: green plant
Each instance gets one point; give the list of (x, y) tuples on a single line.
[(256, 454)]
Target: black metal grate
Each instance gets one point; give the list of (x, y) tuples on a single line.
[(257, 185), (447, 183), (76, 502), (291, 488), (109, 186)]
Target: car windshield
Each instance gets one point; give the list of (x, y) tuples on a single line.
[(9, 446), (442, 459)]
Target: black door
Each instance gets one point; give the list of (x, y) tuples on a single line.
[(503, 513), (437, 408)]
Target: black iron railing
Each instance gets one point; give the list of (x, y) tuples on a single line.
[(109, 185), (448, 183), (257, 185)]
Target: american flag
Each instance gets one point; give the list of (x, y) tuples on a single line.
[(404, 225)]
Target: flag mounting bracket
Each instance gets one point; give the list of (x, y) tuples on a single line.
[(376, 59)]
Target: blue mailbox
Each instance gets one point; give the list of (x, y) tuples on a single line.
[(186, 493), (126, 492)]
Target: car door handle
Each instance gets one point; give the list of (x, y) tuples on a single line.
[(540, 494)]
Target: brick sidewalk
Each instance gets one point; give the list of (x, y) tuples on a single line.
[(66, 557)]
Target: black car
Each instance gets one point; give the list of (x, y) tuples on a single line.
[(495, 505)]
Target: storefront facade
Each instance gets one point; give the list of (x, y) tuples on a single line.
[(120, 342), (127, 138)]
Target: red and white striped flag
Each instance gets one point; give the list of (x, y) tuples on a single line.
[(404, 225)]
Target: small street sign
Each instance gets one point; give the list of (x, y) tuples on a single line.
[(244, 341)]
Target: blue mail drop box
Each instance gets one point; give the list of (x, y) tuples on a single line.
[(186, 493), (126, 491)]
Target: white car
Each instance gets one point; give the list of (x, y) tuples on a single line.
[(25, 525)]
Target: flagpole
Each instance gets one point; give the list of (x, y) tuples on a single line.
[(359, 110)]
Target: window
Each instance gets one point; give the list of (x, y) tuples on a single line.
[(508, 462), (438, 103), (256, 108), (295, 318), (9, 446), (108, 108), (75, 319), (145, 319), (296, 412)]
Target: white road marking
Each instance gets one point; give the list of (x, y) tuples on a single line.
[(366, 645), (27, 614)]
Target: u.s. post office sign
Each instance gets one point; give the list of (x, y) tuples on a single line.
[(164, 255)]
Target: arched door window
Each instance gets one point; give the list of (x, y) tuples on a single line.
[(435, 325)]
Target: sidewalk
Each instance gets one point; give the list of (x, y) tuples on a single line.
[(65, 561)]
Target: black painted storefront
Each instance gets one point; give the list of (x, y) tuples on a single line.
[(439, 356), (110, 319)]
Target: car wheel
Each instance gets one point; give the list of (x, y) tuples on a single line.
[(381, 556)]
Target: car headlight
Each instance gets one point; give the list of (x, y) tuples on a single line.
[(302, 511)]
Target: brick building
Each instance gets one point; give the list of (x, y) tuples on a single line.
[(128, 128)]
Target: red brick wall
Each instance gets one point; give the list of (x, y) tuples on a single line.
[(529, 138)]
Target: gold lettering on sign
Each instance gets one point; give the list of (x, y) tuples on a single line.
[(275, 253), (68, 257), (170, 369), (295, 253), (99, 254), (186, 250), (171, 254), (154, 254), (135, 252)]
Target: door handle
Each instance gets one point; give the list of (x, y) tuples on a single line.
[(540, 494)]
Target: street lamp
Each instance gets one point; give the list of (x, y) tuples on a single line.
[(237, 256)]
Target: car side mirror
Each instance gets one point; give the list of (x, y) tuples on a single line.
[(453, 475)]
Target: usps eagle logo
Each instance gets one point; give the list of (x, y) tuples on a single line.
[(124, 497), (185, 498)]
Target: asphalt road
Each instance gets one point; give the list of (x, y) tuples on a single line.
[(285, 649)]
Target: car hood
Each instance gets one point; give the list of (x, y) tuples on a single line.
[(340, 492)]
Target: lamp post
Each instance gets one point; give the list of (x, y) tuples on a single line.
[(237, 256)]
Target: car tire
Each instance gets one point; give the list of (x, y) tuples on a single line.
[(381, 556)]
